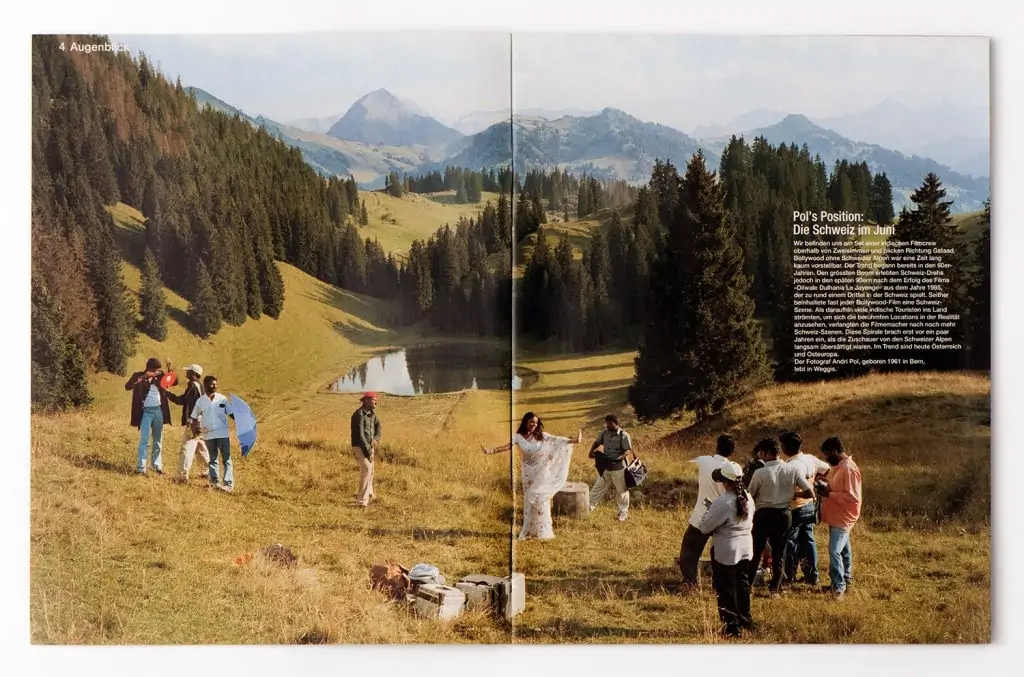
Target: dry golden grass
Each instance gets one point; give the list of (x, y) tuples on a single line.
[(396, 222), (118, 559), (921, 550)]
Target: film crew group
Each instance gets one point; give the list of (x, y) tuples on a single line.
[(782, 518), (204, 421)]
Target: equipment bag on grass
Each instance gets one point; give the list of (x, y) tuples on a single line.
[(636, 472)]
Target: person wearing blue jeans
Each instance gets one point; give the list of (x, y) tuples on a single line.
[(841, 497), (800, 545), (840, 559), (151, 427), (150, 413), (210, 416)]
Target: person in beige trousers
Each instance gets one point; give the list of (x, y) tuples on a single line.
[(190, 443), (366, 431)]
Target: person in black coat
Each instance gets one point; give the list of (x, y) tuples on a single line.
[(150, 413)]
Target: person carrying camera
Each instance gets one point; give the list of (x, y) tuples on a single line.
[(150, 413), (773, 487), (840, 510)]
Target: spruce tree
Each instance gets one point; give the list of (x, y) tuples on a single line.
[(701, 345), (460, 191), (204, 308), (58, 369), (930, 221), (152, 303), (271, 286), (364, 216), (114, 307), (602, 318), (881, 209), (981, 297), (539, 215)]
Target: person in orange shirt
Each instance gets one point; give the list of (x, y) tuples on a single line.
[(840, 510)]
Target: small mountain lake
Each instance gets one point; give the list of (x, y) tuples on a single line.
[(436, 368)]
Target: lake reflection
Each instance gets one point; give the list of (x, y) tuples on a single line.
[(440, 368)]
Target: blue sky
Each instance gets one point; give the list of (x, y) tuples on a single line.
[(683, 81)]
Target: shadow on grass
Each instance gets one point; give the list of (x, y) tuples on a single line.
[(568, 630), (421, 533), (630, 586), (376, 312), (94, 462), (588, 370), (666, 494)]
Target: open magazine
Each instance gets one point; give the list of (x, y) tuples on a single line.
[(646, 338)]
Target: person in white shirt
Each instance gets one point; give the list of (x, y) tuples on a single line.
[(773, 487), (210, 416), (692, 546), (730, 520), (800, 545)]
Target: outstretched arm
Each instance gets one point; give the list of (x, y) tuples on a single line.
[(496, 450)]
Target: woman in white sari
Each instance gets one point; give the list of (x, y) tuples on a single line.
[(545, 467)]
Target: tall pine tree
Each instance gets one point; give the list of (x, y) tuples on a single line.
[(701, 345), (204, 308), (58, 369), (152, 303), (981, 297)]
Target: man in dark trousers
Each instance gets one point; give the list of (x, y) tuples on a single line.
[(610, 468), (708, 489), (366, 433), (150, 413), (190, 444), (773, 487)]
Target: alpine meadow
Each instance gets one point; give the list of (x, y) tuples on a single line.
[(445, 276)]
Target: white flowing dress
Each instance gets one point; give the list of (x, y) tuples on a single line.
[(545, 468)]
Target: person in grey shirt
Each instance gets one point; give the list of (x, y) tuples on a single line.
[(611, 470), (773, 487), (729, 520)]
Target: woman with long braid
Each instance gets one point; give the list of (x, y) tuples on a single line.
[(730, 520)]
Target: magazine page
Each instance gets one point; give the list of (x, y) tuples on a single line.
[(270, 332), (754, 272), (441, 338)]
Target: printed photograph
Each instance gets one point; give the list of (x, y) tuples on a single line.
[(270, 325), (703, 486), (460, 338)]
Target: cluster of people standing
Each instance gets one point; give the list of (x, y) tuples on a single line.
[(763, 512), (204, 422), (772, 503)]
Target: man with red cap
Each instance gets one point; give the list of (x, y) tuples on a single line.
[(366, 429)]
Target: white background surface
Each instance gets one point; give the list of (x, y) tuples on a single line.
[(996, 20)]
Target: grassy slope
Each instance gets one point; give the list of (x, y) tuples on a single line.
[(922, 442), (122, 559), (396, 222)]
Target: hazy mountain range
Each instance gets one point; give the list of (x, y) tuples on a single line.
[(381, 133), (904, 171), (478, 121), (953, 135)]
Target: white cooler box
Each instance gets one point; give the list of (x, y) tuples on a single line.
[(438, 601), (503, 595)]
